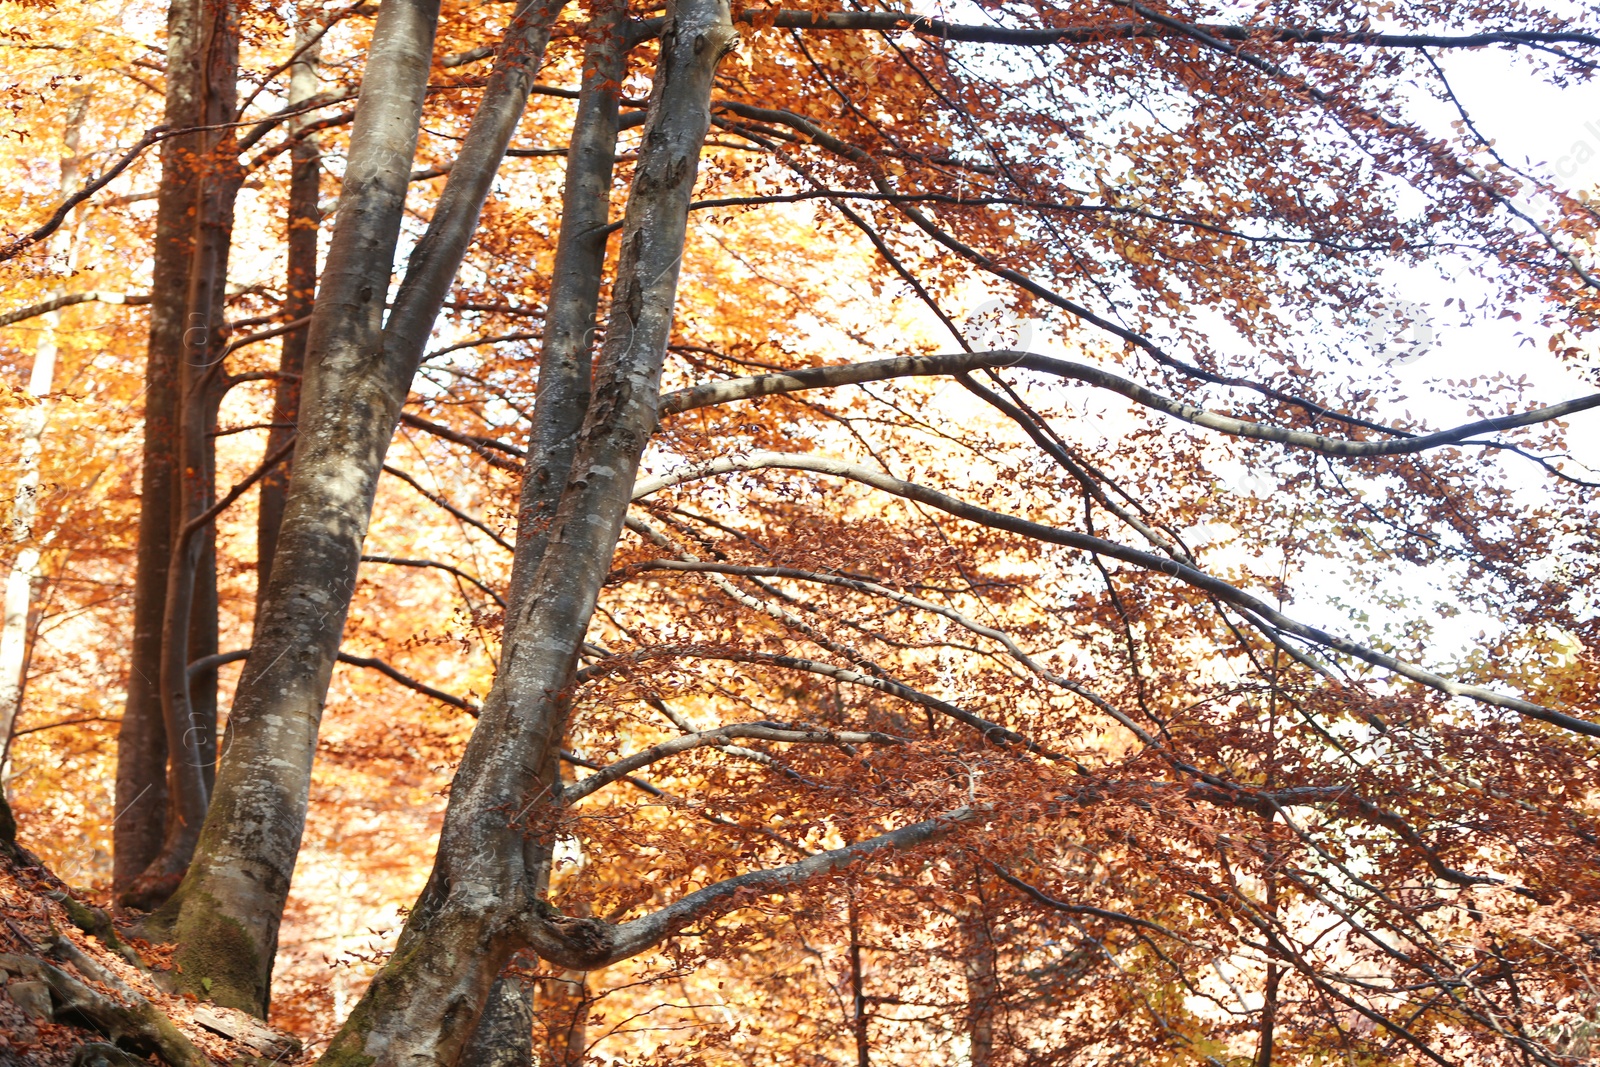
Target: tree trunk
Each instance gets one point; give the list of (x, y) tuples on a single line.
[(979, 968), (482, 902), (504, 1035), (189, 738), (563, 1008), (225, 916), (141, 796), (300, 285), (22, 583), (575, 280), (859, 1020)]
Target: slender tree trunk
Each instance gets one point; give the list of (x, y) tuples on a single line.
[(190, 738), (563, 1007), (300, 284), (482, 901), (22, 583), (979, 968), (141, 797), (858, 991), (225, 917), (575, 280)]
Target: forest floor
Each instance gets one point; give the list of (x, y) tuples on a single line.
[(79, 991)]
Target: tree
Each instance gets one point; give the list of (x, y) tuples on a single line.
[(1004, 697)]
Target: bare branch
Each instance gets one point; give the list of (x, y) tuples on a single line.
[(17, 245), (398, 561), (67, 300), (209, 663), (435, 498), (482, 447), (1145, 560), (761, 731), (587, 944), (960, 362)]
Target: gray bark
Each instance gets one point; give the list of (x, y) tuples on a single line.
[(141, 791), (504, 1035), (300, 284), (575, 280), (956, 363), (358, 372)]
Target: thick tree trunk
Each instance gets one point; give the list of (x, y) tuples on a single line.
[(23, 580), (300, 285), (504, 1035), (191, 739), (141, 797), (482, 900), (225, 917)]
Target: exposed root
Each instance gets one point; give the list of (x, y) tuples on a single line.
[(97, 923), (137, 1026)]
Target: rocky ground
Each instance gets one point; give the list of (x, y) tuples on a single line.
[(83, 990)]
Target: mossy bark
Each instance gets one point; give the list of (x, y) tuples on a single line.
[(215, 957)]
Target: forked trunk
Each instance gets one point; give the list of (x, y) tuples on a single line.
[(141, 794), (482, 901), (225, 916)]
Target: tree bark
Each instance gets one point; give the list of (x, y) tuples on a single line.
[(141, 792), (980, 971), (482, 902), (300, 284), (504, 1035), (575, 280), (190, 738), (225, 916)]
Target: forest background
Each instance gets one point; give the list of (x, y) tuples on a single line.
[(1477, 564)]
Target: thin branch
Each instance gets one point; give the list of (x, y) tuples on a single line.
[(67, 300), (210, 663), (960, 362), (482, 447), (435, 498), (761, 731), (398, 561), (1145, 560), (17, 245)]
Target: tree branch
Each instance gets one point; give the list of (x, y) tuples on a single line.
[(761, 731), (588, 944), (828, 377), (67, 300), (207, 663), (435, 498), (398, 561), (1145, 560)]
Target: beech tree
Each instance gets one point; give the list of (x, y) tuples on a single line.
[(826, 612)]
